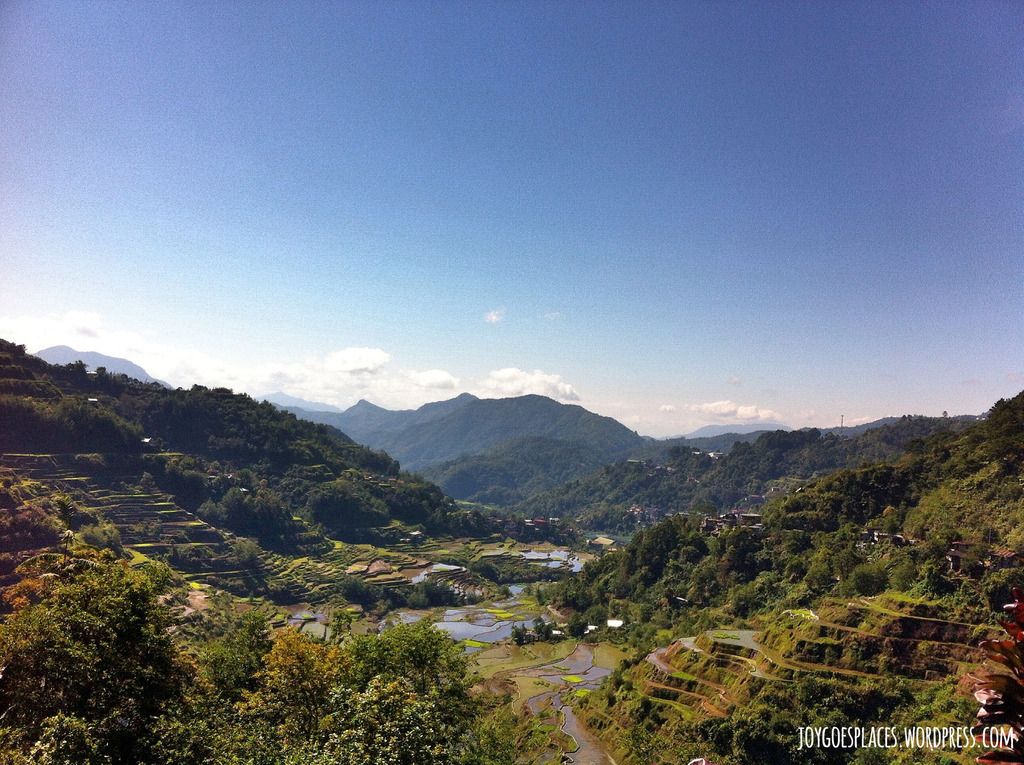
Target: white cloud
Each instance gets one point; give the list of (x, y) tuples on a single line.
[(666, 408), (434, 378), (512, 381), (38, 332), (493, 317), (730, 410), (339, 377), (357, 360)]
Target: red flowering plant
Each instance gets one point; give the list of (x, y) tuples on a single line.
[(1001, 694)]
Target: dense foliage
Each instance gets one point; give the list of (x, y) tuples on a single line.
[(513, 471), (91, 675), (951, 487), (694, 480), (244, 465), (829, 580)]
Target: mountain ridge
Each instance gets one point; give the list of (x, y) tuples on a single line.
[(442, 431), (62, 355)]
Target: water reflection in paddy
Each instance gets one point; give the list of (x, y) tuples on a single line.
[(554, 559), (486, 625), (485, 633)]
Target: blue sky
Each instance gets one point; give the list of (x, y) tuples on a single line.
[(672, 213)]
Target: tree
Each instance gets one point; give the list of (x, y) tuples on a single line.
[(232, 663), (419, 653), (94, 653), (388, 723), (295, 685), (577, 626), (67, 740)]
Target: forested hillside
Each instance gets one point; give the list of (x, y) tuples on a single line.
[(515, 470), (93, 675), (465, 426), (693, 480), (154, 544), (241, 465), (871, 584)]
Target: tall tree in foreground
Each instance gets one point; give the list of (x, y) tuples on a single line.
[(91, 667)]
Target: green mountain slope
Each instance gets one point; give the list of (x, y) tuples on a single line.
[(691, 479), (860, 601), (371, 424), (446, 430), (244, 466), (515, 470)]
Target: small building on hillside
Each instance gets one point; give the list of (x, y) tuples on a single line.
[(1003, 558), (965, 558)]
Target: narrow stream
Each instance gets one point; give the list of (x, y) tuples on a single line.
[(579, 663)]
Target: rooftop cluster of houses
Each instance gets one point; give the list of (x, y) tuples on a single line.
[(973, 558), (541, 521), (874, 537), (715, 524), (646, 514), (541, 631), (652, 470)]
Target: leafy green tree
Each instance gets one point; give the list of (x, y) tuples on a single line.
[(419, 653), (95, 652), (67, 740), (388, 723), (295, 685), (231, 664), (577, 626), (492, 740)]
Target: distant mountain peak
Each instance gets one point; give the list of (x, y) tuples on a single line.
[(445, 430), (739, 428), (363, 405), (64, 354), (284, 400)]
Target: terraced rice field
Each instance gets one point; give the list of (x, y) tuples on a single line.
[(711, 672), (151, 524)]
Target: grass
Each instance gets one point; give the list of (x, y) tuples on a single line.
[(607, 656), (137, 557), (470, 643), (500, 614), (526, 689), (684, 676), (804, 613), (506, 657), (572, 679)]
